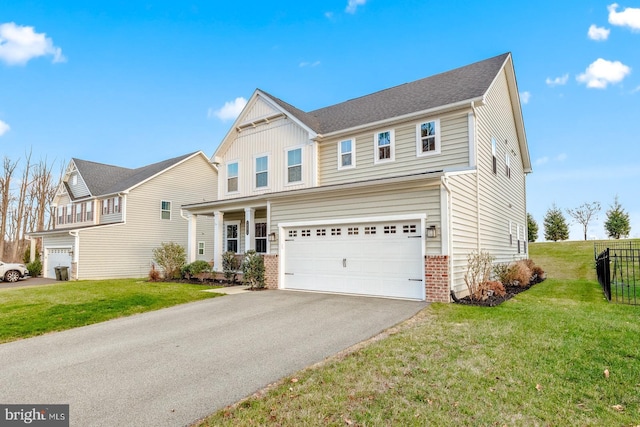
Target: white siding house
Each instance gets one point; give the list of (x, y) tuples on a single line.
[(382, 195), (108, 219)]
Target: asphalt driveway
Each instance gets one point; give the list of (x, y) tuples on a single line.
[(173, 366)]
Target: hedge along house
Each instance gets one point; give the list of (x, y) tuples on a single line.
[(382, 195), (108, 219)]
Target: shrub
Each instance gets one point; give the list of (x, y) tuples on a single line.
[(253, 270), (479, 266), (196, 267), (521, 273), (230, 265), (537, 274), (171, 257), (488, 288), (501, 272), (154, 275), (35, 267)]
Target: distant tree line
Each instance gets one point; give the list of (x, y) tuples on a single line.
[(556, 227), (27, 189)]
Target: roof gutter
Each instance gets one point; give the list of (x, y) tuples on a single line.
[(479, 100)]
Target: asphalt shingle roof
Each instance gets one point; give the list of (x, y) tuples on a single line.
[(460, 84), (103, 179)]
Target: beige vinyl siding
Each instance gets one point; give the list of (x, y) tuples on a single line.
[(125, 250), (502, 199), (364, 203), (464, 225), (111, 218), (271, 139), (454, 153), (80, 189)]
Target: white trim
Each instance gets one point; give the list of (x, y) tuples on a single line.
[(286, 165), (352, 152), (438, 146), (225, 181), (392, 147), (255, 171), (204, 245), (162, 210), (225, 239), (268, 219), (471, 125), (335, 221)]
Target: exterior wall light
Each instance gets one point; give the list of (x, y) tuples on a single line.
[(272, 237), (431, 231)]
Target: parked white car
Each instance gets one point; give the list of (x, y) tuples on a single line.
[(12, 272)]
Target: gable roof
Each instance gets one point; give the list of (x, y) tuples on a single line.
[(102, 179), (451, 87)]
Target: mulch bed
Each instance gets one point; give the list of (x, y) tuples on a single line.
[(492, 301)]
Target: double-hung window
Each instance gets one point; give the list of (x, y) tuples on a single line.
[(165, 209), (231, 236), (89, 211), (262, 172), (232, 177), (346, 154), (200, 248), (261, 237), (507, 159), (294, 165), (69, 214), (384, 146), (494, 159), (428, 138)]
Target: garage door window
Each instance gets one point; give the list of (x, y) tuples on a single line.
[(370, 230)]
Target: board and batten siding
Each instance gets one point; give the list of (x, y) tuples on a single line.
[(454, 152), (128, 247), (258, 110), (464, 225), (502, 199), (266, 139), (362, 203)]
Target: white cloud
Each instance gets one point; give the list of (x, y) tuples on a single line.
[(636, 90), (542, 161), (525, 97), (558, 81), (328, 15), (309, 64), (629, 17), (546, 159), (598, 33), (561, 157), (4, 128), (19, 44), (601, 73), (352, 5), (229, 111)]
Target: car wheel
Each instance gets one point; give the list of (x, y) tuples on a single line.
[(12, 276)]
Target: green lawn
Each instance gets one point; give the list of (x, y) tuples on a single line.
[(25, 312), (538, 359)]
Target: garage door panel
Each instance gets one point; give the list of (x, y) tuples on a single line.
[(383, 259)]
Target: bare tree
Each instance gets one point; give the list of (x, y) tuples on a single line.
[(5, 199), (584, 213), (20, 213)]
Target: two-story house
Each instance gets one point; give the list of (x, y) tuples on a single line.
[(382, 195), (108, 219)]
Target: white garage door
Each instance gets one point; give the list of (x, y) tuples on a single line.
[(57, 257), (382, 259)]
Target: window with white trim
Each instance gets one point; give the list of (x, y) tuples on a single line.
[(494, 159), (60, 215), (89, 211), (507, 160), (79, 213), (74, 179), (231, 236), (384, 146), (428, 138), (232, 177), (262, 172), (261, 237), (294, 165), (346, 154), (200, 248), (165, 209), (69, 214)]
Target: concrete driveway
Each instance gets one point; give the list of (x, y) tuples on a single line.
[(173, 366)]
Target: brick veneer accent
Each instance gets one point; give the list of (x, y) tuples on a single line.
[(271, 271), (436, 278)]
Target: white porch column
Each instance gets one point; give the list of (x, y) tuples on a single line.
[(191, 238), (249, 228), (218, 242)]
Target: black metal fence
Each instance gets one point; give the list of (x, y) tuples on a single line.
[(618, 270)]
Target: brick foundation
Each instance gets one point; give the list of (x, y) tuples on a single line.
[(436, 278), (271, 271)]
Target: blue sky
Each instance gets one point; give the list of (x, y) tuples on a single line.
[(135, 82)]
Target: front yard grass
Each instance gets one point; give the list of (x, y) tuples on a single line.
[(558, 354), (26, 312)]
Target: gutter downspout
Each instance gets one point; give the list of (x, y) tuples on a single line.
[(445, 185), (475, 144)]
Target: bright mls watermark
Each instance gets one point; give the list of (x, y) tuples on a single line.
[(34, 415)]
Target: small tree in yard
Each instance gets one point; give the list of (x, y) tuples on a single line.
[(532, 228), (171, 257), (617, 224), (583, 214), (479, 266), (555, 225), (230, 266), (253, 270)]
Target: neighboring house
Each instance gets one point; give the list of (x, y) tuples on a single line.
[(108, 219), (382, 195)]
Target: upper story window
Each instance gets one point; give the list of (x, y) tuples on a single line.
[(262, 171), (74, 179), (428, 138), (89, 211), (232, 177), (165, 209), (346, 154), (60, 215), (294, 165), (80, 213), (494, 159), (507, 160), (69, 214), (384, 146)]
